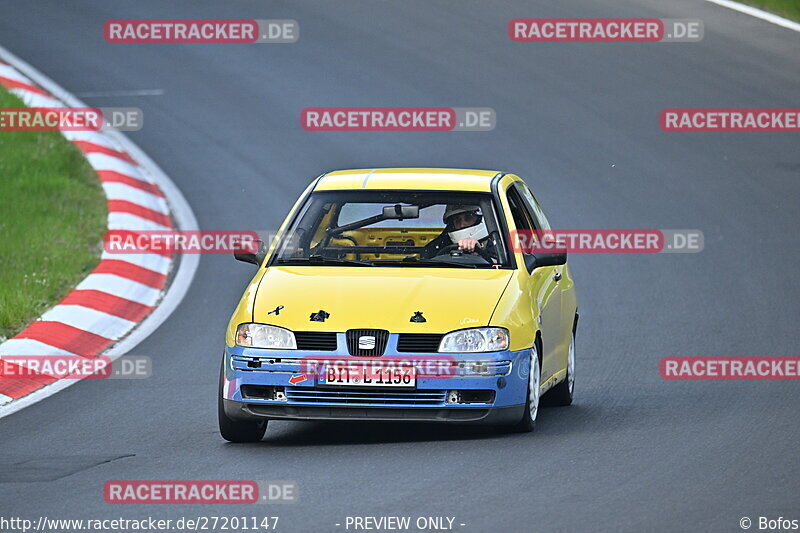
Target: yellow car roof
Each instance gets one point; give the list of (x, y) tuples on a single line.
[(429, 179)]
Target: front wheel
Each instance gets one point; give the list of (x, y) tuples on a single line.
[(528, 422), (237, 430), (561, 394)]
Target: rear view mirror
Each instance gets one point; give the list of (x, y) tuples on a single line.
[(399, 212), (256, 258), (543, 259)]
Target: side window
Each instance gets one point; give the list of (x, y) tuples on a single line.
[(521, 220), (535, 211), (324, 220)]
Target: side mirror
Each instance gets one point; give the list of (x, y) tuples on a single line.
[(544, 259), (256, 258)]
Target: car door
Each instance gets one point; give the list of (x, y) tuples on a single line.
[(543, 289), (568, 299), (563, 330)]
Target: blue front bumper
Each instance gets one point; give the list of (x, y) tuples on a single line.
[(259, 383)]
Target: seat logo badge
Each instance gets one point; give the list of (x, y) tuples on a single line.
[(319, 316), (276, 311), (366, 342), (418, 317)]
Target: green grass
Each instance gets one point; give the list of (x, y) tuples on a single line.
[(785, 8), (52, 221)]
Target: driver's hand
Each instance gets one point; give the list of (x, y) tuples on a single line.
[(468, 245)]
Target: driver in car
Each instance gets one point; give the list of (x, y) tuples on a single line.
[(464, 227)]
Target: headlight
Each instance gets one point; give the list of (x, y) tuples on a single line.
[(475, 340), (264, 336)]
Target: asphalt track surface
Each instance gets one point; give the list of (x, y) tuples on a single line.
[(580, 123)]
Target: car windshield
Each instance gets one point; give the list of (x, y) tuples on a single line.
[(395, 228)]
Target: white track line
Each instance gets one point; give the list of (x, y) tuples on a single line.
[(12, 74), (109, 162), (36, 100), (182, 215), (758, 13), (129, 221), (91, 320), (121, 191), (30, 347), (121, 287), (154, 262), (136, 92), (16, 350), (88, 136)]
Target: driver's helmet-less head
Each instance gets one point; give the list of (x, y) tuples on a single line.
[(476, 228)]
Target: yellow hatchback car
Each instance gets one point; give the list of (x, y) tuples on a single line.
[(398, 294)]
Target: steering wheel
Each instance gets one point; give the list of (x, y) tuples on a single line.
[(447, 249)]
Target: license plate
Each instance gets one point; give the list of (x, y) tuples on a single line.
[(367, 374)]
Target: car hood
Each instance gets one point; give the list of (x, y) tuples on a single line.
[(379, 297)]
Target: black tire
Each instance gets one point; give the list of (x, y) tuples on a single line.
[(237, 430), (528, 422), (561, 395)]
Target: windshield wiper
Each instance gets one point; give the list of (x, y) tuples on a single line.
[(321, 260), (429, 262)]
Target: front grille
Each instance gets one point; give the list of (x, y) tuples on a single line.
[(362, 397), (353, 336), (419, 342), (318, 341)]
